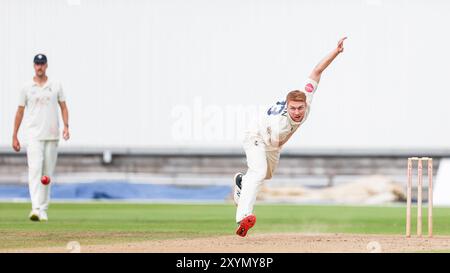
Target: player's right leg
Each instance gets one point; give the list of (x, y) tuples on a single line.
[(251, 181), (49, 164), (35, 158)]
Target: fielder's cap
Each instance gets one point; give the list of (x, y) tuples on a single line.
[(40, 59)]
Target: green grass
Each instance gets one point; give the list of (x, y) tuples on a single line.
[(97, 223)]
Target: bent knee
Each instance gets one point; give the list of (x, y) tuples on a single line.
[(256, 175)]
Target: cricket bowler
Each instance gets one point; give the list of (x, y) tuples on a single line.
[(41, 98), (263, 143)]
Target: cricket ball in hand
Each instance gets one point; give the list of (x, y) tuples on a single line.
[(45, 180)]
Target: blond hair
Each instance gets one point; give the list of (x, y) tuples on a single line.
[(296, 95)]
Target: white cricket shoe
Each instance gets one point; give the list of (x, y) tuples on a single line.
[(237, 187), (43, 216), (34, 215)]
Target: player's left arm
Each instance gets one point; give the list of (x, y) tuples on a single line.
[(320, 67), (65, 117)]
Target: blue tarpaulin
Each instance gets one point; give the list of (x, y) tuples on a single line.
[(122, 190)]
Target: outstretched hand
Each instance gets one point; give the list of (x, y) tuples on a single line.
[(324, 63), (340, 46)]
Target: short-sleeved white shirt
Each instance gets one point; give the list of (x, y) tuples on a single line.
[(41, 103), (276, 126)]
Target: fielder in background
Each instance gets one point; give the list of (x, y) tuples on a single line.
[(263, 142), (41, 98)]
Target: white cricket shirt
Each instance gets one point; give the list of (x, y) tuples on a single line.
[(41, 103)]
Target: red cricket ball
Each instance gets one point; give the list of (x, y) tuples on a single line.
[(45, 180)]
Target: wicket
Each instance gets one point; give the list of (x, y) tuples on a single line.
[(419, 195)]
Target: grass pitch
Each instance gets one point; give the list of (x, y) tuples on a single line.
[(105, 223)]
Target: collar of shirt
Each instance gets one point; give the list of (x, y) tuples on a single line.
[(46, 84)]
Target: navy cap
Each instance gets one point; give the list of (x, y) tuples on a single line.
[(40, 59)]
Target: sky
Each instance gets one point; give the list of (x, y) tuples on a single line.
[(146, 74)]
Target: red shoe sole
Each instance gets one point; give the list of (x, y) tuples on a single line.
[(246, 224)]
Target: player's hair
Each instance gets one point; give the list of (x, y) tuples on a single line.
[(296, 95)]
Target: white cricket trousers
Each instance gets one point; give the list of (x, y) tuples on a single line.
[(41, 156), (261, 166)]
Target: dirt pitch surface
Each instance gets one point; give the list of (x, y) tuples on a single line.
[(280, 242)]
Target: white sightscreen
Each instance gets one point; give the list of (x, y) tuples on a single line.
[(182, 73)]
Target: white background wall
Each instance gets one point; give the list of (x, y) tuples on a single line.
[(130, 68)]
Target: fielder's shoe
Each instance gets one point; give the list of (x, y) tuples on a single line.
[(245, 224), (43, 216), (237, 187), (34, 215)]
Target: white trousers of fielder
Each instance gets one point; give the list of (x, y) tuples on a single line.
[(41, 157), (261, 166)]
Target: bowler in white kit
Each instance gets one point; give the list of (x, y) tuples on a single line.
[(263, 143), (41, 98)]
